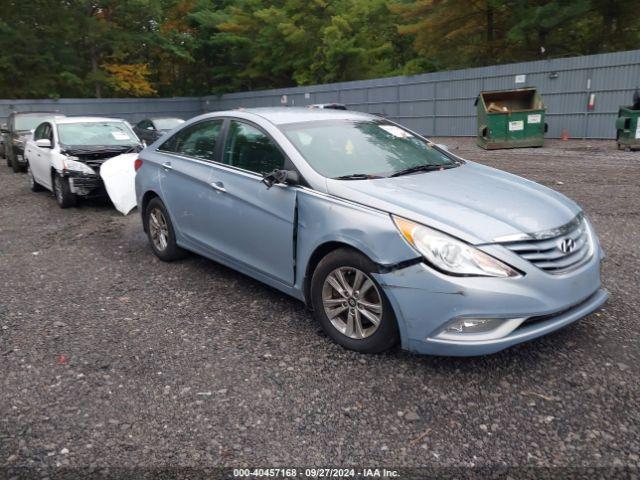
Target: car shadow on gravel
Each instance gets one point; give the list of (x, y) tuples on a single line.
[(520, 357)]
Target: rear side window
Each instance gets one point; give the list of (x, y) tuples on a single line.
[(250, 149), (198, 140)]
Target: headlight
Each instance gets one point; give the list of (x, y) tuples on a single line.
[(74, 165), (450, 255)]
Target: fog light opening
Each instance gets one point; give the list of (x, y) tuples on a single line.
[(478, 329), (474, 325)]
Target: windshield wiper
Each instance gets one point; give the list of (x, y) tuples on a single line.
[(420, 168), (357, 176)]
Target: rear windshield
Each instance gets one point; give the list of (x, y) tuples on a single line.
[(167, 123), (96, 133), (29, 122), (337, 148)]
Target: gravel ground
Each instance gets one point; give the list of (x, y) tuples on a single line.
[(111, 358)]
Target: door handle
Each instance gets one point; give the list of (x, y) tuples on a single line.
[(167, 166), (219, 186)]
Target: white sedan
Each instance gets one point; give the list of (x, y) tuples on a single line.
[(65, 155)]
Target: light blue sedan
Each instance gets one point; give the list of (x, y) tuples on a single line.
[(387, 237)]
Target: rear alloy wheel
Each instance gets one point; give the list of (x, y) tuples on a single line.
[(33, 185), (61, 189), (350, 305), (160, 231)]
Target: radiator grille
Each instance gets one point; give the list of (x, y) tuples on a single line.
[(559, 250)]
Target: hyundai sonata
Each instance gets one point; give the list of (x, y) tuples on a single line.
[(387, 237)]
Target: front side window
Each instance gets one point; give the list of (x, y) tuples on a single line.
[(250, 149), (96, 134), (198, 140), (40, 132), (48, 132), (369, 148)]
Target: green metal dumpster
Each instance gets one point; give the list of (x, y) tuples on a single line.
[(628, 128), (511, 119)]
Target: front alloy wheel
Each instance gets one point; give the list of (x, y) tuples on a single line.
[(350, 305), (352, 302), (61, 189)]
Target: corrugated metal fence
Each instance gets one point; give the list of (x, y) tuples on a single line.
[(442, 103), (436, 104)]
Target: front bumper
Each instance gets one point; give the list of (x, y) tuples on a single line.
[(426, 301), (86, 185), (19, 155)]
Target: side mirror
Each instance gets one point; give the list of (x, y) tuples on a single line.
[(43, 143), (442, 146), (290, 177)]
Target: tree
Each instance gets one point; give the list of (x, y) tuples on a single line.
[(66, 48)]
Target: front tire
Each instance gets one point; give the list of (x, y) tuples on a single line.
[(33, 185), (61, 189), (350, 305), (162, 237)]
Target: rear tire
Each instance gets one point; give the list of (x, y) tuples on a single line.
[(33, 185), (343, 282), (61, 189), (159, 228)]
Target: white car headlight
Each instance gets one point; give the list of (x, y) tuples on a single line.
[(70, 164), (450, 255)]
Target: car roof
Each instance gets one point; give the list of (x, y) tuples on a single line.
[(40, 113), (284, 115), (87, 120)]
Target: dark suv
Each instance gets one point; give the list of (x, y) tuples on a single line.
[(16, 133)]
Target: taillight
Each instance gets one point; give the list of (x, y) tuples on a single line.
[(137, 164)]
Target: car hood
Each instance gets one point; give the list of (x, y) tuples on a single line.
[(472, 201)]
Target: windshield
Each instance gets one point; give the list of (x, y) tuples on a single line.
[(167, 123), (29, 122), (96, 133), (373, 148)]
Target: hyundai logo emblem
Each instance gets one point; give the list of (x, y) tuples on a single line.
[(567, 245)]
